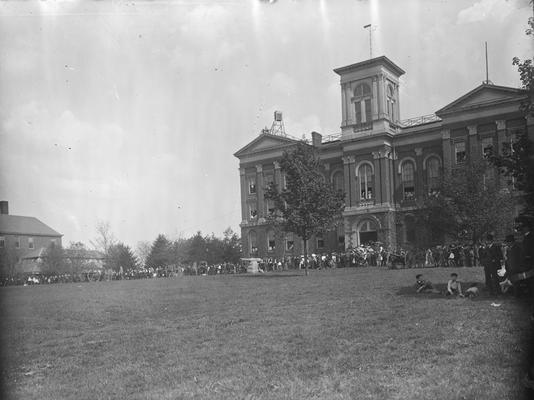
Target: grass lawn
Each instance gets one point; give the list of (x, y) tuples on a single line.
[(337, 334)]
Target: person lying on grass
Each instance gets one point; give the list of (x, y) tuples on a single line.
[(472, 291), (424, 286), (454, 288)]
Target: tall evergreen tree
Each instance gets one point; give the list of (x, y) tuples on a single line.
[(308, 204), (159, 253), (122, 255)]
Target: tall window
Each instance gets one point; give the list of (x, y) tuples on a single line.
[(253, 210), (362, 103), (30, 243), (251, 185), (460, 153), (17, 242), (341, 234), (271, 242), (432, 174), (2, 242), (320, 241), (338, 181), (408, 180), (290, 243), (487, 147), (253, 242), (268, 180), (365, 176), (270, 207), (390, 103)]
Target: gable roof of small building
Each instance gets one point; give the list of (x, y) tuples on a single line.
[(265, 141), (19, 225), (482, 96)]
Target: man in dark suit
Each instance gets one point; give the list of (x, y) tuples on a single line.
[(494, 257)]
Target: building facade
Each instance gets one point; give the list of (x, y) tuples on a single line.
[(20, 236), (382, 163)]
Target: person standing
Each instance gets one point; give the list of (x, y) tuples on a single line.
[(494, 258)]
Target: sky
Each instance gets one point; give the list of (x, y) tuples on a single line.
[(129, 112)]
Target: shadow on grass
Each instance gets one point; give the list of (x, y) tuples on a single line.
[(266, 275)]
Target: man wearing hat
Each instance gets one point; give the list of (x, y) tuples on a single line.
[(493, 258)]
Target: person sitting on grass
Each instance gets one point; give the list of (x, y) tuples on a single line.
[(454, 288), (472, 291), (424, 286)]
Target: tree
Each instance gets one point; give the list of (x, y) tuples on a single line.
[(54, 260), (518, 161), (308, 204), (231, 247), (76, 253), (142, 251), (468, 205), (122, 255), (197, 248), (104, 238), (159, 253)]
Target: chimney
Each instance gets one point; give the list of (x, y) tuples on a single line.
[(4, 208), (317, 139)]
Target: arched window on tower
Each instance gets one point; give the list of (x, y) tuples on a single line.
[(391, 103), (432, 174), (362, 104), (408, 180), (365, 177)]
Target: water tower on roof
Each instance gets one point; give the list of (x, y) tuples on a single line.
[(278, 128), (369, 97)]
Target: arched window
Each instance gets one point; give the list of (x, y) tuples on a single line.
[(390, 103), (365, 177), (290, 242), (362, 103), (338, 181), (271, 242), (432, 174), (253, 243), (408, 180)]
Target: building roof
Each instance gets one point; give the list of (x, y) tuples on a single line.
[(382, 60), (19, 225), (483, 95)]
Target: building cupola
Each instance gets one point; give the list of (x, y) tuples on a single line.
[(369, 97)]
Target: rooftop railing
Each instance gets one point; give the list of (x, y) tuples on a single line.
[(425, 119)]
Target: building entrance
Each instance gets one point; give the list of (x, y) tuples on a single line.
[(367, 237)]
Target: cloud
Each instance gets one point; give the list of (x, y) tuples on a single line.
[(484, 9)]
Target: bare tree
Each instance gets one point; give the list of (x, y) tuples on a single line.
[(105, 239), (142, 251)]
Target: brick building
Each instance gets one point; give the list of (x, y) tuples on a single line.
[(382, 163), (20, 236)]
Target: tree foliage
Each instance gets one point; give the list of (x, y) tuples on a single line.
[(121, 255), (308, 204), (54, 260), (518, 161), (159, 253), (468, 205)]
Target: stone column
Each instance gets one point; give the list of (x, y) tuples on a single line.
[(348, 164), (501, 138), (447, 151), (260, 191), (475, 153), (243, 180), (377, 177), (374, 102), (343, 105), (381, 96), (351, 114), (277, 175), (501, 134), (530, 128), (419, 173), (385, 177)]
